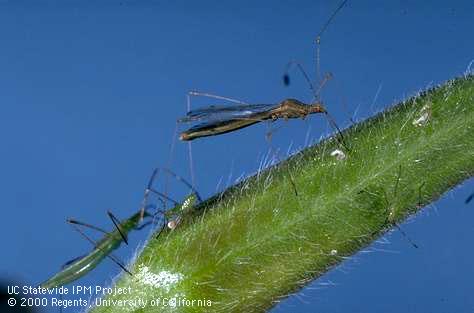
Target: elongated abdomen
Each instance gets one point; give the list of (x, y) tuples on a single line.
[(217, 128)]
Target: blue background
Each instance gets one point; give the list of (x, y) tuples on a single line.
[(89, 95)]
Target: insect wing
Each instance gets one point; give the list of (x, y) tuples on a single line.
[(216, 113)]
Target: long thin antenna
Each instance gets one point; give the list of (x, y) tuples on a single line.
[(318, 38), (286, 76), (331, 18)]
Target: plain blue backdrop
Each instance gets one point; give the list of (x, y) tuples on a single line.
[(89, 95)]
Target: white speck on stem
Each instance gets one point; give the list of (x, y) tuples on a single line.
[(338, 154), (164, 279), (424, 117)]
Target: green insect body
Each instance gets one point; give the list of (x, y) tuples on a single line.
[(83, 265)]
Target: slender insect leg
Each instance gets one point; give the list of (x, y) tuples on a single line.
[(189, 96), (317, 93), (399, 175), (195, 93), (184, 181), (119, 263), (147, 192), (75, 225), (419, 205), (162, 228), (269, 133), (404, 234), (395, 190), (188, 107), (318, 58), (469, 198), (190, 147), (332, 122), (295, 190), (162, 195), (171, 153), (143, 225), (116, 222), (150, 188), (75, 222), (326, 78), (317, 96), (276, 153)]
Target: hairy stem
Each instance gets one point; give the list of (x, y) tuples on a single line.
[(271, 234)]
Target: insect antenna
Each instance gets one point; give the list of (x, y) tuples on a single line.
[(286, 75), (318, 38)]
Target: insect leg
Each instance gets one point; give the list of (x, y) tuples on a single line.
[(75, 222), (333, 124), (75, 225), (405, 235), (188, 102), (195, 93), (162, 195), (399, 175), (469, 198), (395, 190), (147, 192), (184, 181), (119, 263), (116, 222)]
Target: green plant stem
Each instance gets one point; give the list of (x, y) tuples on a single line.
[(271, 234)]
